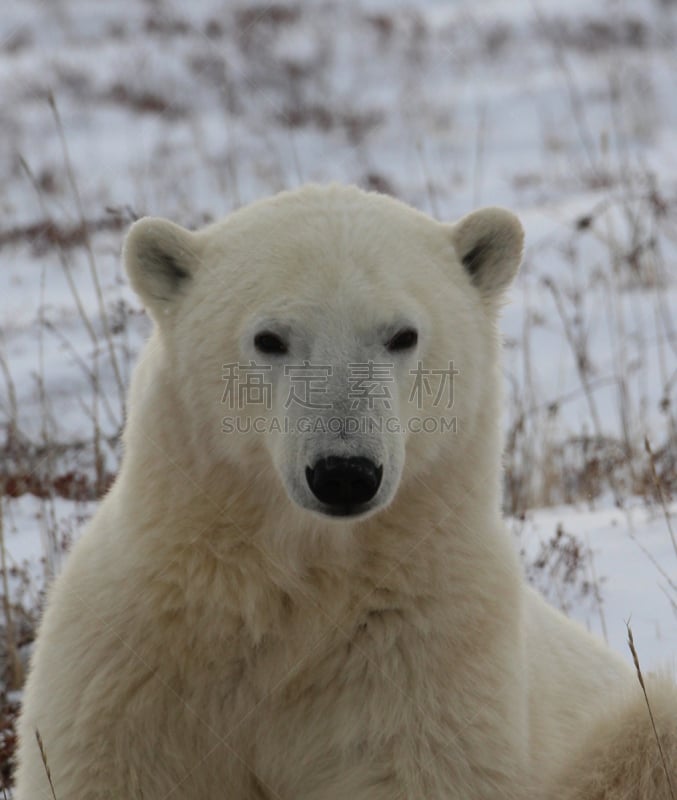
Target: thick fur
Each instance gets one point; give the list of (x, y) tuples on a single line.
[(215, 635), (622, 756)]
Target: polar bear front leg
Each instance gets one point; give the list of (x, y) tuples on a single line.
[(622, 756)]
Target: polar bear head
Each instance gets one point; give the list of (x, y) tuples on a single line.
[(335, 341)]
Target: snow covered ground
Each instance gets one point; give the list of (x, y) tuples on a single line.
[(563, 111), (627, 574)]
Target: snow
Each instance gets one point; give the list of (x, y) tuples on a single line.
[(632, 563)]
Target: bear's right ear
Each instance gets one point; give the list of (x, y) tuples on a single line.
[(160, 258)]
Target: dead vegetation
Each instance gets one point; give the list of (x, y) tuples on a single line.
[(46, 234)]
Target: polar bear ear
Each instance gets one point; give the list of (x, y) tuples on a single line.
[(489, 243), (160, 258)]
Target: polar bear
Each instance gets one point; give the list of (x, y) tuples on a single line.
[(300, 586)]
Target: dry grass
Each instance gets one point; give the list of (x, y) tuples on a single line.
[(591, 462)]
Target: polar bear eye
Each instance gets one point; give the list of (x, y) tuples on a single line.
[(404, 339), (270, 343)]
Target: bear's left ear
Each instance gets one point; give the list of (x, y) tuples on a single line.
[(489, 243), (160, 258)]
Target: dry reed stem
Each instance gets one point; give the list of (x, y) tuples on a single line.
[(43, 756), (90, 251), (16, 677), (640, 677), (659, 489)]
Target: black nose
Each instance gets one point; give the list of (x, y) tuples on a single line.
[(345, 482)]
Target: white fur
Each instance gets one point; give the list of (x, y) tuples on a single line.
[(215, 635)]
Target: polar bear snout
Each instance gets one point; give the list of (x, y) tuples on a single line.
[(344, 485)]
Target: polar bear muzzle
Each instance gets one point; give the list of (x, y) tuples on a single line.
[(344, 485)]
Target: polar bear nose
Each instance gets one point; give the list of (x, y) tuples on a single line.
[(346, 482)]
